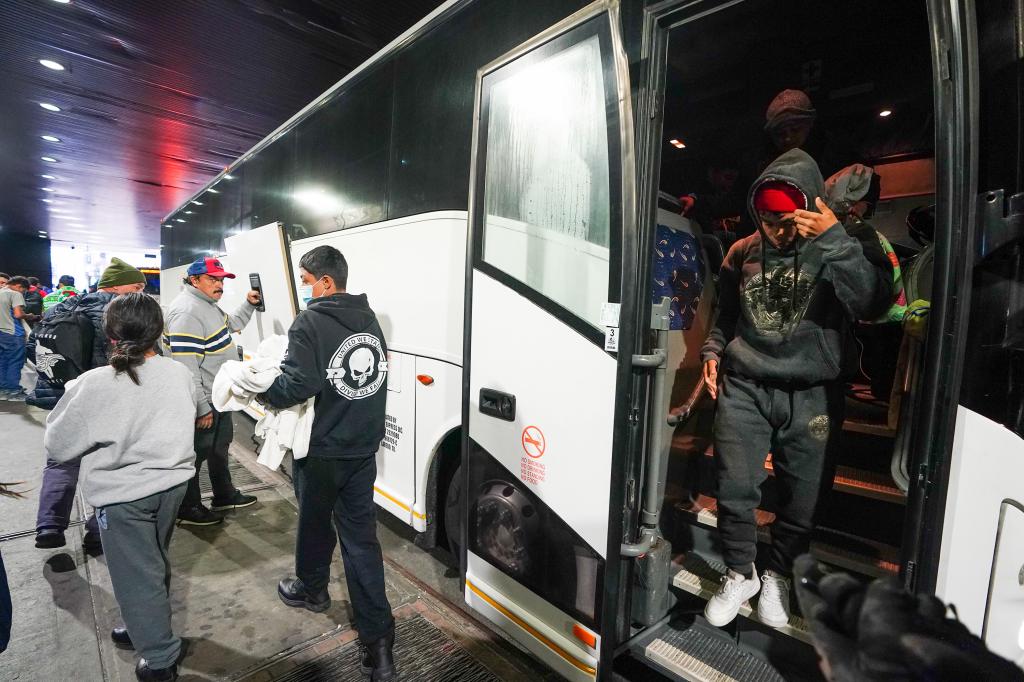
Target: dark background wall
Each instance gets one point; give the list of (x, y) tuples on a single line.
[(25, 255)]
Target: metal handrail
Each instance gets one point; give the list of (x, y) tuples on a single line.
[(681, 415)]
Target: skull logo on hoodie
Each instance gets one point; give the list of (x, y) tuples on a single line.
[(359, 367)]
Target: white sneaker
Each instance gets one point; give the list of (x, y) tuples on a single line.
[(773, 605), (735, 590)]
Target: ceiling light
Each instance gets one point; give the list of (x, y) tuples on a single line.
[(49, 159), (213, 191), (885, 112), (48, 189), (180, 220), (678, 144), (188, 212), (198, 203), (49, 177), (50, 64), (63, 2), (42, 231), (42, 236), (50, 138), (229, 176), (49, 107), (47, 201)]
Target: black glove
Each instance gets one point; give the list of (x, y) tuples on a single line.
[(879, 631)]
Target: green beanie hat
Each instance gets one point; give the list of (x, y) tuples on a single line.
[(118, 273)]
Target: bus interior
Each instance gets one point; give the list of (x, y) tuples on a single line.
[(867, 70)]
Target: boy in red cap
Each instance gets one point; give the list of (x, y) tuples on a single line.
[(774, 361)]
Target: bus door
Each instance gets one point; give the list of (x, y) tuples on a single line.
[(547, 342)]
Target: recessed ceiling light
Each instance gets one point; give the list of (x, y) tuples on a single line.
[(48, 189), (214, 191), (198, 203), (885, 112), (63, 2), (678, 144), (49, 107), (229, 176), (48, 177), (50, 138), (47, 201), (180, 220), (50, 64), (188, 212), (49, 159)]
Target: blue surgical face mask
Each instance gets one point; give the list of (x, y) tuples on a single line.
[(306, 293)]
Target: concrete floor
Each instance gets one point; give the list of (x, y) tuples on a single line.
[(223, 589)]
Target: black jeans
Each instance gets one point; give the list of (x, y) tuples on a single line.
[(212, 447), (342, 489), (800, 427)]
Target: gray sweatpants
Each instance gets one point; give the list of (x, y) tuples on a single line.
[(135, 539), (800, 427)]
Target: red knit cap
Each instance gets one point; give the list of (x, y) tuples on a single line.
[(779, 197)]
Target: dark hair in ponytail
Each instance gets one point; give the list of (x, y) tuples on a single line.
[(133, 323)]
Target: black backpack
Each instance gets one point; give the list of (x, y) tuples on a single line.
[(33, 302), (64, 342)]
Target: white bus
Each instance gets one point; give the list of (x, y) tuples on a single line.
[(502, 179)]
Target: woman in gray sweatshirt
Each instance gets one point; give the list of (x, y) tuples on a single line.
[(132, 423)]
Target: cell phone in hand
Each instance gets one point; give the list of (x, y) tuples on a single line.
[(254, 283)]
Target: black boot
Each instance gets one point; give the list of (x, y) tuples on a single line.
[(120, 637), (49, 538), (293, 593), (146, 674), (378, 660)]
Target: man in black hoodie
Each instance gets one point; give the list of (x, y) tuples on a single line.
[(774, 361), (336, 352)]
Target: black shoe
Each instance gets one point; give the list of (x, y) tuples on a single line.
[(237, 502), (293, 593), (146, 674), (91, 542), (378, 660), (119, 636), (198, 516), (49, 538)]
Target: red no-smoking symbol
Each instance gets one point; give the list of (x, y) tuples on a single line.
[(533, 441)]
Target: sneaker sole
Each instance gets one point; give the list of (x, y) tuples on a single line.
[(770, 623), (303, 604), (186, 522), (225, 507)]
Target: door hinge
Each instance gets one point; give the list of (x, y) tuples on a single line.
[(910, 576), (1000, 222)]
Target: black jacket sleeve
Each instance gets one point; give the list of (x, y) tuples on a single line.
[(302, 372)]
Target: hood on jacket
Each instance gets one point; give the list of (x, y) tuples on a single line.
[(796, 168), (350, 310)]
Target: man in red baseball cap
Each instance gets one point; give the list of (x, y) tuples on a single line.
[(788, 295), (198, 334)]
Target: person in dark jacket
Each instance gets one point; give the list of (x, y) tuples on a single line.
[(337, 354), (774, 361), (60, 480)]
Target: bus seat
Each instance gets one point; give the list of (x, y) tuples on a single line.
[(714, 252)]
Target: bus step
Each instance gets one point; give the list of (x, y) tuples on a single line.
[(854, 481), (843, 550), (701, 577), (691, 654)]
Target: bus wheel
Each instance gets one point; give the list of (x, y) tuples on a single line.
[(453, 512)]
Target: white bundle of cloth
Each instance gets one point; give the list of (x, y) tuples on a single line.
[(239, 382)]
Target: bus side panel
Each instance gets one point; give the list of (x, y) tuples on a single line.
[(395, 487), (438, 411), (412, 271), (986, 467)]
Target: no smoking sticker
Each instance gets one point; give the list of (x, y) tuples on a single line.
[(534, 443)]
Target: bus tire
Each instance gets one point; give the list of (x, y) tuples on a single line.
[(453, 512)]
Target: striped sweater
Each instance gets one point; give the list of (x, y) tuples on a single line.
[(198, 334)]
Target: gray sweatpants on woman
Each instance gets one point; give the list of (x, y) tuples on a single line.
[(135, 539)]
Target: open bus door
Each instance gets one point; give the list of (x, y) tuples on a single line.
[(547, 368)]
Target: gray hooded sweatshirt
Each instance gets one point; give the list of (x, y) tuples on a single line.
[(785, 315)]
